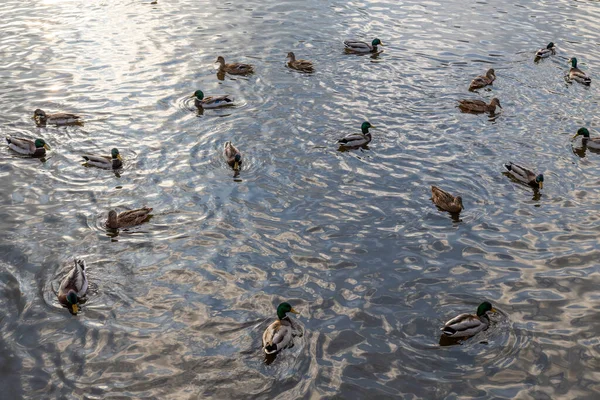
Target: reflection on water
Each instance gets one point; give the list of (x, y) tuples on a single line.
[(177, 306)]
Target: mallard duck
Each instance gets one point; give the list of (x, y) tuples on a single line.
[(211, 101), (41, 118), (575, 74), (279, 334), (593, 143), (113, 162), (466, 325), (233, 156), (73, 287), (127, 218), (355, 46), (235, 68), (446, 201), (479, 106), (299, 65), (524, 175), (28, 147), (357, 139), (546, 52), (483, 80)]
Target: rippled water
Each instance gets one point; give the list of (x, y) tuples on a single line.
[(177, 306)]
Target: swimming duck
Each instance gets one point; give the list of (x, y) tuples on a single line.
[(593, 143), (355, 46), (299, 65), (232, 156), (41, 118), (466, 325), (575, 74), (483, 80), (211, 101), (113, 162), (279, 334), (524, 175), (479, 106), (73, 287), (127, 218), (546, 52), (235, 68), (357, 139), (28, 147), (446, 201)]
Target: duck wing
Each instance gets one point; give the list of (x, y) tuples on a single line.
[(20, 145), (521, 173), (463, 325), (359, 46)]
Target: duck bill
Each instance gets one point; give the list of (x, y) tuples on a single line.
[(294, 311), (47, 147), (75, 308), (577, 134), (236, 166), (493, 310), (541, 185), (119, 157)]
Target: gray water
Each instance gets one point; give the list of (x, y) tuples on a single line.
[(177, 306)]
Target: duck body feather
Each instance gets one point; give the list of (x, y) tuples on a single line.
[(465, 325), (445, 200), (232, 155), (356, 46), (577, 75), (278, 336), (75, 281), (127, 218), (42, 118), (214, 102), (522, 174), (483, 80), (355, 139), (299, 65), (104, 162), (545, 53)]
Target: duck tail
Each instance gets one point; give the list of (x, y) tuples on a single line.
[(80, 262), (86, 158), (8, 139), (587, 81), (508, 166), (271, 348)]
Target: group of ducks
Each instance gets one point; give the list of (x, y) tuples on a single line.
[(453, 204), (279, 334)]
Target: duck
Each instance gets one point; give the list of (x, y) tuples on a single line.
[(525, 175), (28, 147), (355, 46), (467, 325), (357, 139), (233, 156), (593, 143), (299, 65), (41, 118), (127, 218), (235, 68), (113, 162), (446, 201), (212, 101), (483, 80), (73, 287), (546, 52), (575, 74), (479, 106), (279, 334)]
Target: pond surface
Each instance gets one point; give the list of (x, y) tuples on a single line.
[(177, 306)]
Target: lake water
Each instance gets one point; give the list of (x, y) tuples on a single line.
[(177, 306)]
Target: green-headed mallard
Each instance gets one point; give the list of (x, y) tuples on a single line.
[(355, 46), (211, 101), (299, 65), (113, 162), (483, 80), (466, 325), (235, 68), (357, 139), (41, 118), (575, 74), (73, 287), (593, 143), (127, 218), (279, 334), (525, 175), (446, 201), (233, 156), (546, 52), (35, 148), (479, 106)]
